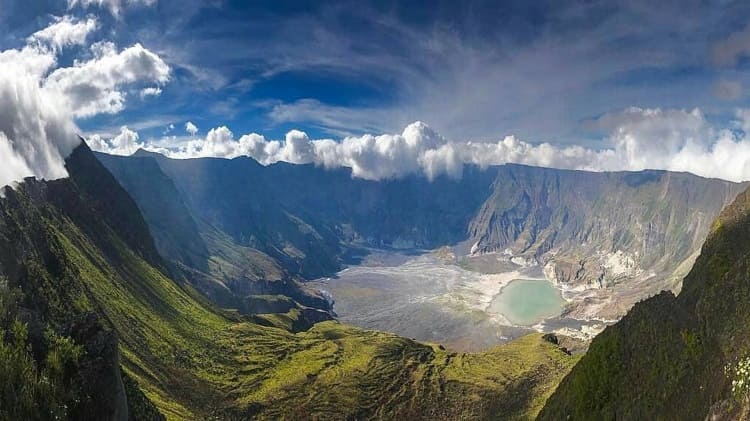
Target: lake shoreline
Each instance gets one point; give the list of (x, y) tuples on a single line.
[(527, 302)]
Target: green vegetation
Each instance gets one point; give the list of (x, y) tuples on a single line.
[(193, 361), (36, 391), (31, 389), (740, 376)]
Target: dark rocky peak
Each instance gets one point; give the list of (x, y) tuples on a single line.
[(106, 199), (142, 153)]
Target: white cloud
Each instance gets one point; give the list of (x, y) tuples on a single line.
[(127, 142), (36, 131), (298, 149), (39, 101), (256, 147), (95, 86), (219, 142), (65, 31), (114, 6), (418, 149), (639, 138), (388, 156), (150, 91), (191, 128), (649, 138)]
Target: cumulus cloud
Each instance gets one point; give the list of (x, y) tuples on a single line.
[(63, 32), (39, 100), (417, 150), (219, 142), (127, 142), (644, 138), (95, 86), (191, 128), (298, 149), (389, 156), (150, 91)]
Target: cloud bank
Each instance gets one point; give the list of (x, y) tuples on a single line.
[(639, 138), (39, 100)]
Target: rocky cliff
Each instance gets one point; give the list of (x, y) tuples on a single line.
[(610, 239)]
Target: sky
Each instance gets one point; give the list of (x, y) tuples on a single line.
[(386, 88)]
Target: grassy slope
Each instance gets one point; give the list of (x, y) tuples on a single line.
[(194, 361)]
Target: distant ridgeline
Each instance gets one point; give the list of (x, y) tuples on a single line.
[(99, 321), (634, 233)]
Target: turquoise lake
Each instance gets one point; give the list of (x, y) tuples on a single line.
[(528, 301)]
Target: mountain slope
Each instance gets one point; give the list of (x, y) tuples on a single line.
[(674, 357), (231, 275), (97, 302)]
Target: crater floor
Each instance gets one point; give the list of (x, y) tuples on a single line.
[(459, 302)]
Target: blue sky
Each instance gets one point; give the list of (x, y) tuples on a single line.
[(469, 69), (595, 85)]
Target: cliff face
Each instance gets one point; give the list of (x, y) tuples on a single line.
[(610, 239), (579, 221), (674, 357), (307, 217)]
